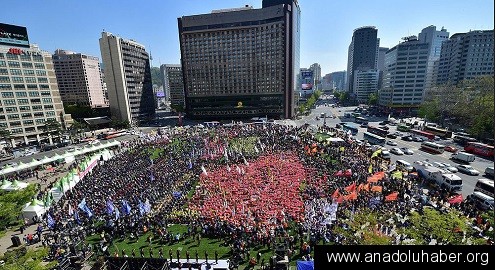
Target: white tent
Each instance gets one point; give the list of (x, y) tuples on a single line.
[(16, 185), (56, 193), (5, 184), (31, 210)]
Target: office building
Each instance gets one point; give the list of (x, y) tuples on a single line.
[(362, 54), (405, 75), (434, 39), (79, 79), (243, 62), (466, 56), (316, 68), (29, 94), (128, 79), (365, 84), (173, 85), (339, 80)]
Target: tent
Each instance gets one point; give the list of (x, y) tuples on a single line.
[(5, 184), (305, 265), (31, 210), (16, 185)]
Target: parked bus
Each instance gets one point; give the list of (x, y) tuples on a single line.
[(360, 119), (479, 149), (351, 127), (440, 132), (404, 128), (433, 147), (115, 134), (422, 134), (485, 186), (463, 140), (377, 131), (374, 139)]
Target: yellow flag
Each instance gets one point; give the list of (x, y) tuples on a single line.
[(376, 153), (370, 168)]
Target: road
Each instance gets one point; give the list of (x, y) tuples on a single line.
[(469, 181)]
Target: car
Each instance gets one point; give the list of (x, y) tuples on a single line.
[(450, 148), (417, 139), (385, 127), (392, 143), (364, 125), (382, 123), (94, 142), (467, 169), (391, 136), (396, 151), (449, 167), (398, 134), (407, 151), (439, 165), (407, 138)]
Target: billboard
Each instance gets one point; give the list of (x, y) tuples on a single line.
[(307, 86), (307, 80), (307, 74), (160, 94), (13, 35)]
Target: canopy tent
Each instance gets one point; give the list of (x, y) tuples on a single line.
[(305, 265), (334, 140), (5, 184), (16, 185), (31, 210)]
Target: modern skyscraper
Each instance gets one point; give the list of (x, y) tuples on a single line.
[(241, 62), (362, 54), (365, 84), (173, 85), (316, 68), (337, 80), (466, 56), (434, 39), (405, 75), (381, 65), (128, 78), (28, 88), (79, 79)]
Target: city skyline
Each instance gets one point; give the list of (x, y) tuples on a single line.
[(326, 27)]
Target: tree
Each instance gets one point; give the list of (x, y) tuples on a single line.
[(177, 108), (361, 228), (373, 99), (53, 127)]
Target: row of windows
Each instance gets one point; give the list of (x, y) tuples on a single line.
[(26, 101), (5, 79)]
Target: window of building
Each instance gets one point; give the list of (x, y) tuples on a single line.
[(14, 64), (42, 80), (24, 108), (27, 65), (20, 94), (13, 116)]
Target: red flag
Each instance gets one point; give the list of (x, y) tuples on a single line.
[(351, 197), (392, 196), (339, 199), (376, 188), (455, 199), (348, 173), (339, 173), (360, 187), (351, 187), (372, 179), (336, 194)]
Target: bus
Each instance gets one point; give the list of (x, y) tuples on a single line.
[(479, 149), (440, 132), (351, 127), (374, 139), (422, 134), (360, 119), (377, 131), (115, 134), (433, 147), (485, 186), (463, 140)]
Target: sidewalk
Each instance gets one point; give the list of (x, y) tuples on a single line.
[(6, 241)]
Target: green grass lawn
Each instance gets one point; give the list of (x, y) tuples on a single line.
[(206, 244)]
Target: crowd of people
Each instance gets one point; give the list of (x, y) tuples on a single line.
[(251, 185)]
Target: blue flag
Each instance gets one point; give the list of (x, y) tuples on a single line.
[(84, 207), (142, 208), (147, 206), (126, 208), (76, 216), (189, 166), (50, 221), (373, 202), (110, 207), (152, 177), (117, 213)]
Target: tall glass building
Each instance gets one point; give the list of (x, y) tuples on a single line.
[(241, 62)]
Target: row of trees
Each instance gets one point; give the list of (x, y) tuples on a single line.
[(469, 104), (305, 107)]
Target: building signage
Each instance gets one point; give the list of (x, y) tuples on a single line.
[(13, 35)]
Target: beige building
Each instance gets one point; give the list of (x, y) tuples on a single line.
[(29, 94), (128, 78), (79, 79)]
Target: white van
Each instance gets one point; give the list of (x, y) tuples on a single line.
[(405, 165), (481, 200), (489, 171)]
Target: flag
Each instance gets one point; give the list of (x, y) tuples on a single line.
[(189, 166), (126, 208), (377, 188), (147, 206), (397, 175), (71, 211), (76, 216), (455, 199), (351, 187), (117, 213), (392, 196), (50, 221), (84, 207), (152, 177), (376, 153), (110, 207), (370, 168), (373, 202), (351, 197), (336, 194), (141, 208), (204, 170)]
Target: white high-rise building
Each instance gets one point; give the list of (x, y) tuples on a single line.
[(434, 39)]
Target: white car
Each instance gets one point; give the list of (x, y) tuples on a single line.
[(396, 151), (467, 169), (407, 151), (94, 142), (391, 143), (439, 165), (449, 167)]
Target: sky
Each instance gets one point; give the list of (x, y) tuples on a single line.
[(326, 25)]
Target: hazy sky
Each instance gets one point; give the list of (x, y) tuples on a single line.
[(326, 25)]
